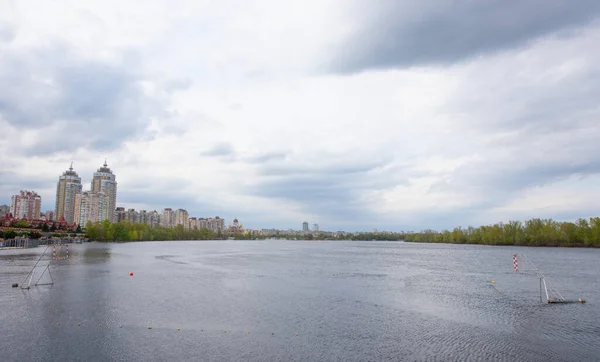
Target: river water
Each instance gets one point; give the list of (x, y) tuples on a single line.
[(299, 301)]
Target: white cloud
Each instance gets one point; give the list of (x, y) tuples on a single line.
[(233, 115)]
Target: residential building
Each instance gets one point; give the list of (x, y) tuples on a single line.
[(69, 185), (182, 218), (50, 215), (89, 207), (120, 214), (26, 205), (215, 224), (305, 226), (193, 223), (4, 210), (132, 216), (315, 227), (168, 218), (105, 181), (153, 219), (144, 215)]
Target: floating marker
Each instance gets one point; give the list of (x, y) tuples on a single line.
[(493, 282), (99, 325), (58, 323), (581, 300), (78, 324), (130, 274), (121, 326), (149, 327), (178, 329)]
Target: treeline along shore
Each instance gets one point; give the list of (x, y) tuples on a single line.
[(125, 231), (534, 232)]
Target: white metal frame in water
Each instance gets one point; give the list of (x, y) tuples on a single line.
[(523, 264), (27, 283)]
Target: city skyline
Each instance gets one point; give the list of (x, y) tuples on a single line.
[(79, 207), (352, 115)]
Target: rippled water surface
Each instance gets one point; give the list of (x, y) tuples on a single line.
[(299, 301)]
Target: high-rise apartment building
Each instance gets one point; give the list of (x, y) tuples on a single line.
[(215, 224), (305, 226), (69, 185), (167, 218), (144, 217), (89, 207), (153, 219), (120, 214), (182, 218), (149, 218), (105, 181), (26, 205), (132, 216)]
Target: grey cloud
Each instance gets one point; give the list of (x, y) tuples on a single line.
[(332, 198), (408, 33), (93, 104), (7, 34), (326, 168), (175, 200), (11, 182), (330, 190), (235, 106), (177, 84), (541, 131), (267, 157), (220, 150)]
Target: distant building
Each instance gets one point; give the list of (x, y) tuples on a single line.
[(90, 207), (305, 226), (168, 218), (105, 181), (193, 223), (153, 219), (120, 214), (26, 205), (315, 227), (144, 215), (132, 216), (236, 227), (69, 185), (182, 217), (4, 210), (50, 215), (215, 224)]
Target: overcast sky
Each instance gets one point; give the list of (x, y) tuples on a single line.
[(397, 115)]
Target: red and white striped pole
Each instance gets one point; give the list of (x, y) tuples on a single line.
[(515, 263)]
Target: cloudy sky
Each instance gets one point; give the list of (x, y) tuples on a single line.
[(389, 114)]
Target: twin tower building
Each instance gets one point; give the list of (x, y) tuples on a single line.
[(80, 207)]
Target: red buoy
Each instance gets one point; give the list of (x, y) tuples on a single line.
[(130, 273)]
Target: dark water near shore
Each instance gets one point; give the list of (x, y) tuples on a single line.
[(299, 301)]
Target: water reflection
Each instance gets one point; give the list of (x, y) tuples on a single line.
[(300, 301)]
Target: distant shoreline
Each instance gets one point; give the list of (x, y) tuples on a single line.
[(502, 244)]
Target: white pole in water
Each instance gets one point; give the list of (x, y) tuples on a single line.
[(546, 288)]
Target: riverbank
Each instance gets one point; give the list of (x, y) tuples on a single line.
[(534, 232)]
